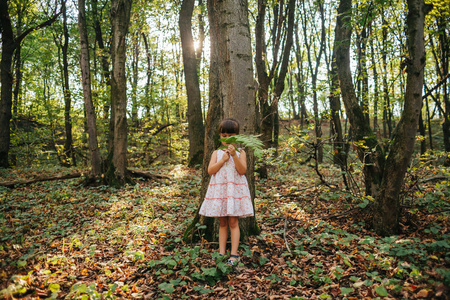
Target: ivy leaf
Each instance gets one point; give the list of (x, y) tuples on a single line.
[(167, 287), (381, 290), (345, 290)]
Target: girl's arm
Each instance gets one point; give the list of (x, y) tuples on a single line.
[(240, 161), (214, 165)]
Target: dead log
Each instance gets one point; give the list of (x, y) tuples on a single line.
[(12, 184)]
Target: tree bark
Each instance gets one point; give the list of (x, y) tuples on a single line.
[(231, 93), (120, 19), (387, 204), (196, 128), (87, 94)]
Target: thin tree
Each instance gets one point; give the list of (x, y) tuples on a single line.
[(69, 153), (120, 20), (87, 93), (310, 34), (10, 42), (196, 128)]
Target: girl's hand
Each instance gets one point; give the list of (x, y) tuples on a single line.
[(231, 150), (226, 156)]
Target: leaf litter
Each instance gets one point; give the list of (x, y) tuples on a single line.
[(60, 240)]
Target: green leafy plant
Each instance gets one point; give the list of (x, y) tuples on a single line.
[(249, 141)]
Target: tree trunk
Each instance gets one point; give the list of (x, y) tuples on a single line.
[(314, 70), (148, 94), (232, 94), (387, 204), (9, 44), (134, 82), (120, 19), (87, 94), (444, 50), (196, 129), (301, 85), (375, 84), (339, 156), (295, 115), (387, 124), (69, 154), (103, 53), (367, 146)]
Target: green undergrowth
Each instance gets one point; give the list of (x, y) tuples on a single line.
[(59, 239)]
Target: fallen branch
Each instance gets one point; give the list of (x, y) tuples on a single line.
[(135, 173), (434, 178), (148, 175), (12, 184)]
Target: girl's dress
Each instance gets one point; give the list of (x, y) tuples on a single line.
[(228, 193)]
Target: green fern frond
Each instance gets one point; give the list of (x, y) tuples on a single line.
[(250, 141)]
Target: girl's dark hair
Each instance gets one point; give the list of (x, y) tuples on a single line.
[(229, 125)]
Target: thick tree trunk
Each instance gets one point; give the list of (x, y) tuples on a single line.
[(232, 94), (190, 62), (120, 19), (87, 94), (387, 204)]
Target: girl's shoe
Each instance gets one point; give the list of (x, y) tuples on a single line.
[(233, 260)]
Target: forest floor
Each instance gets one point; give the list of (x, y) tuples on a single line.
[(62, 240)]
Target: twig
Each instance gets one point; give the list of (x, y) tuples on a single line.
[(434, 178), (284, 235)]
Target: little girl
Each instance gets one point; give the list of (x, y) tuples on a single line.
[(228, 196)]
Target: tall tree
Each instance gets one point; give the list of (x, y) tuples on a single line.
[(231, 94), (196, 128), (69, 153), (311, 33), (87, 93), (384, 177), (10, 42), (120, 20)]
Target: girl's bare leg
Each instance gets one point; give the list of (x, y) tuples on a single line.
[(233, 222), (223, 235)]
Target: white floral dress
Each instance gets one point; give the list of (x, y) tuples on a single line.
[(228, 193)]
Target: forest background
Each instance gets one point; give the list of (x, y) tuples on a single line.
[(101, 90)]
